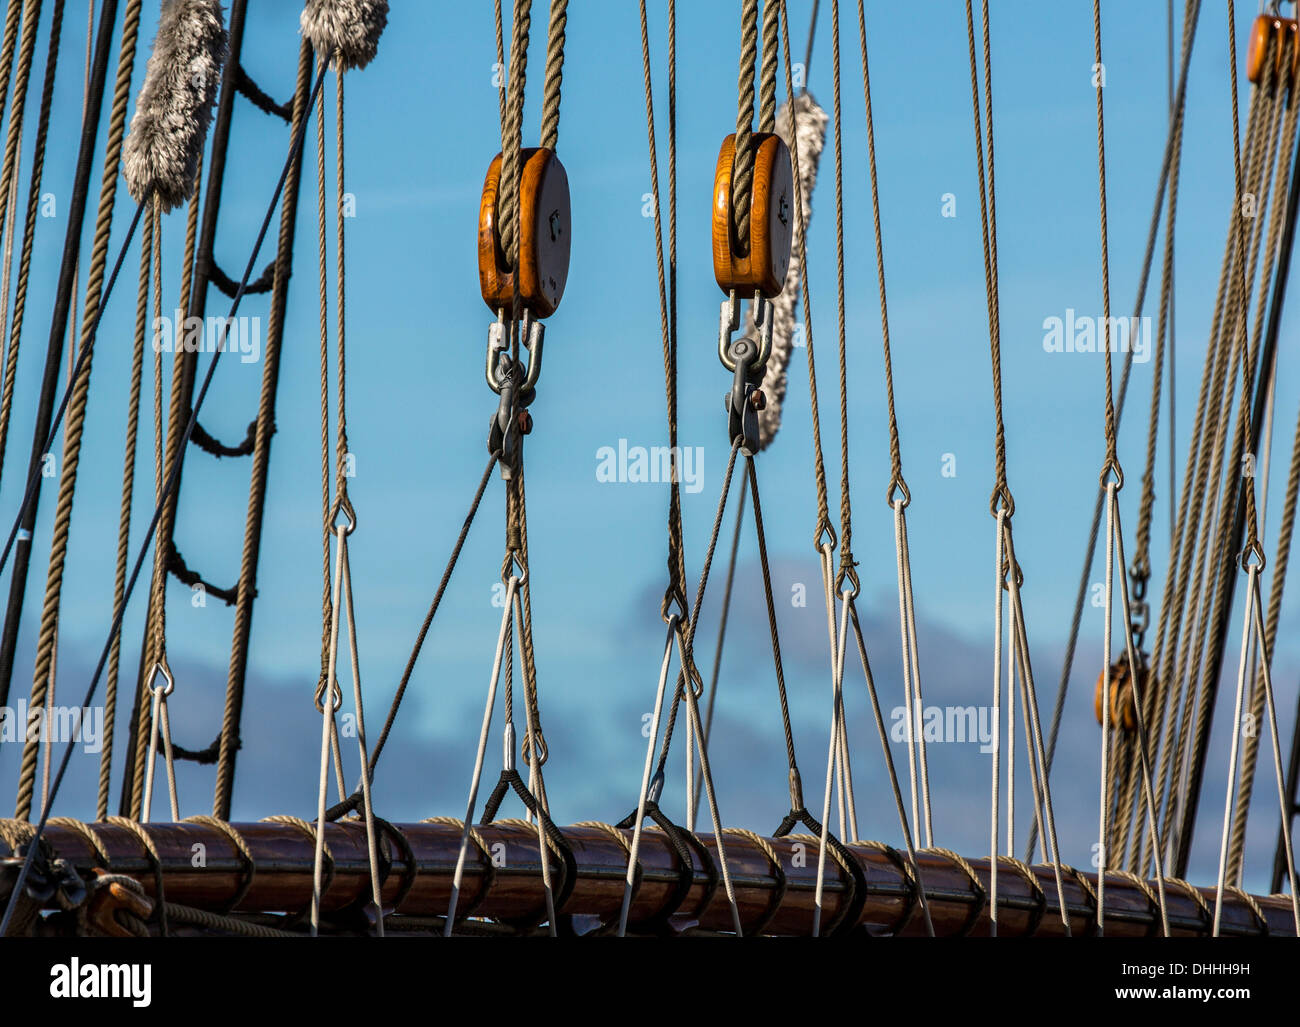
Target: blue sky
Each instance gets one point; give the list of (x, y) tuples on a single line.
[(421, 129)]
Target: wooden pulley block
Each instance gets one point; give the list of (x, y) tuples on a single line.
[(761, 266), (1278, 36), (1123, 714), (545, 225)]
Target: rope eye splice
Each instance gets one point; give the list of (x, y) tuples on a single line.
[(753, 269)]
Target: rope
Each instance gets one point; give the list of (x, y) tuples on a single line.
[(1112, 458), (742, 159), (824, 528), (29, 225), (134, 828), (554, 73), (241, 848), (676, 590), (225, 924), (124, 517), (86, 832), (989, 230), (511, 132), (171, 483), (261, 450), (489, 867), (303, 827), (1191, 18), (77, 406)]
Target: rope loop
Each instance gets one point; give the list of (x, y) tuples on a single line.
[(161, 667), (898, 485), (825, 535), (1002, 500), (673, 594), (1112, 473), (1252, 557), (514, 561), (847, 572), (526, 748), (342, 506)]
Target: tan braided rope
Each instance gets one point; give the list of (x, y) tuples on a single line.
[(261, 456), (76, 415), (742, 158), (29, 227), (489, 867), (554, 73), (977, 886), (512, 132), (241, 848), (86, 832)]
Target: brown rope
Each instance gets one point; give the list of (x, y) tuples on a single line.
[(742, 159), (76, 414), (554, 73), (511, 133)]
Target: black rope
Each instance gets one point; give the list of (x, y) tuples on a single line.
[(253, 93), (176, 565), (264, 282), (209, 444), (203, 757)]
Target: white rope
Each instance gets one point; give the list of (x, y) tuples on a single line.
[(1036, 750), (706, 772), (372, 844), (997, 721), (907, 616), (534, 776), (837, 722), (1104, 803), (644, 793), (1144, 761), (1267, 675), (512, 586), (847, 807), (160, 723), (331, 700)]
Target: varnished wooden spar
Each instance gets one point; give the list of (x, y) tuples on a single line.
[(778, 900)]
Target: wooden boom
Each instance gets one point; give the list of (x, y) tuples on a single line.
[(201, 866)]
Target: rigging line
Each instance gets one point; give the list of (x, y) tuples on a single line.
[(337, 811), (124, 518), (554, 73), (171, 480), (722, 626), (667, 297), (1191, 21), (1192, 500), (1252, 550), (1169, 234), (54, 345), (1269, 349), (511, 130), (1115, 553), (79, 389), (1271, 706), (742, 166), (837, 681), (988, 222), (29, 228), (889, 764), (898, 495), (1112, 457), (997, 706), (16, 108), (808, 50), (824, 527)]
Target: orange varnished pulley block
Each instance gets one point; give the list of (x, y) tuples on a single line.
[(544, 233), (1275, 37), (1123, 714), (761, 266)]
